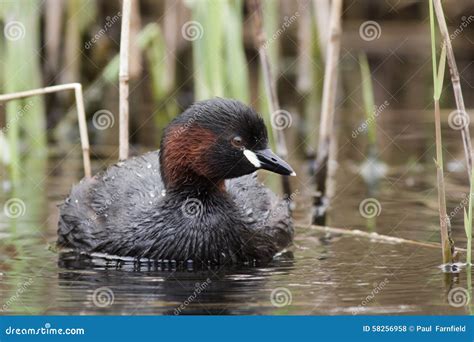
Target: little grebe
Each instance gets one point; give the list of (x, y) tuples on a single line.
[(198, 198)]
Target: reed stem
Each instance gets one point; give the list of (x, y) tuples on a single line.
[(270, 83), (374, 236), (326, 132), (446, 242), (369, 102), (455, 80), (322, 13), (124, 80), (438, 77)]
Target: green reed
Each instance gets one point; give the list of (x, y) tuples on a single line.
[(368, 96), (236, 72), (438, 77), (270, 26), (151, 40), (26, 119), (220, 66)]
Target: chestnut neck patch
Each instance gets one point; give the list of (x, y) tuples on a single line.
[(184, 157)]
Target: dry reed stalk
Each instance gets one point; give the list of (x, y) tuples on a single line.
[(455, 80), (438, 77), (72, 43), (124, 79), (77, 87), (170, 31), (328, 105), (135, 51), (255, 7), (53, 24), (322, 10), (304, 81), (375, 236)]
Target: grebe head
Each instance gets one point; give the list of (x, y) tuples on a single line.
[(214, 140)]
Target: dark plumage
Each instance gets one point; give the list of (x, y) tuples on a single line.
[(185, 201)]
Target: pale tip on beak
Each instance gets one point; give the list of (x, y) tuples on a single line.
[(293, 173)]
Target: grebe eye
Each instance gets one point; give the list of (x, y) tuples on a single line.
[(237, 141)]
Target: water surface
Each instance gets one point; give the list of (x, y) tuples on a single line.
[(322, 274)]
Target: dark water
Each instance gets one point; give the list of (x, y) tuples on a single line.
[(323, 274)]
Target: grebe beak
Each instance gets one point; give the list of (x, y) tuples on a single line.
[(266, 159)]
